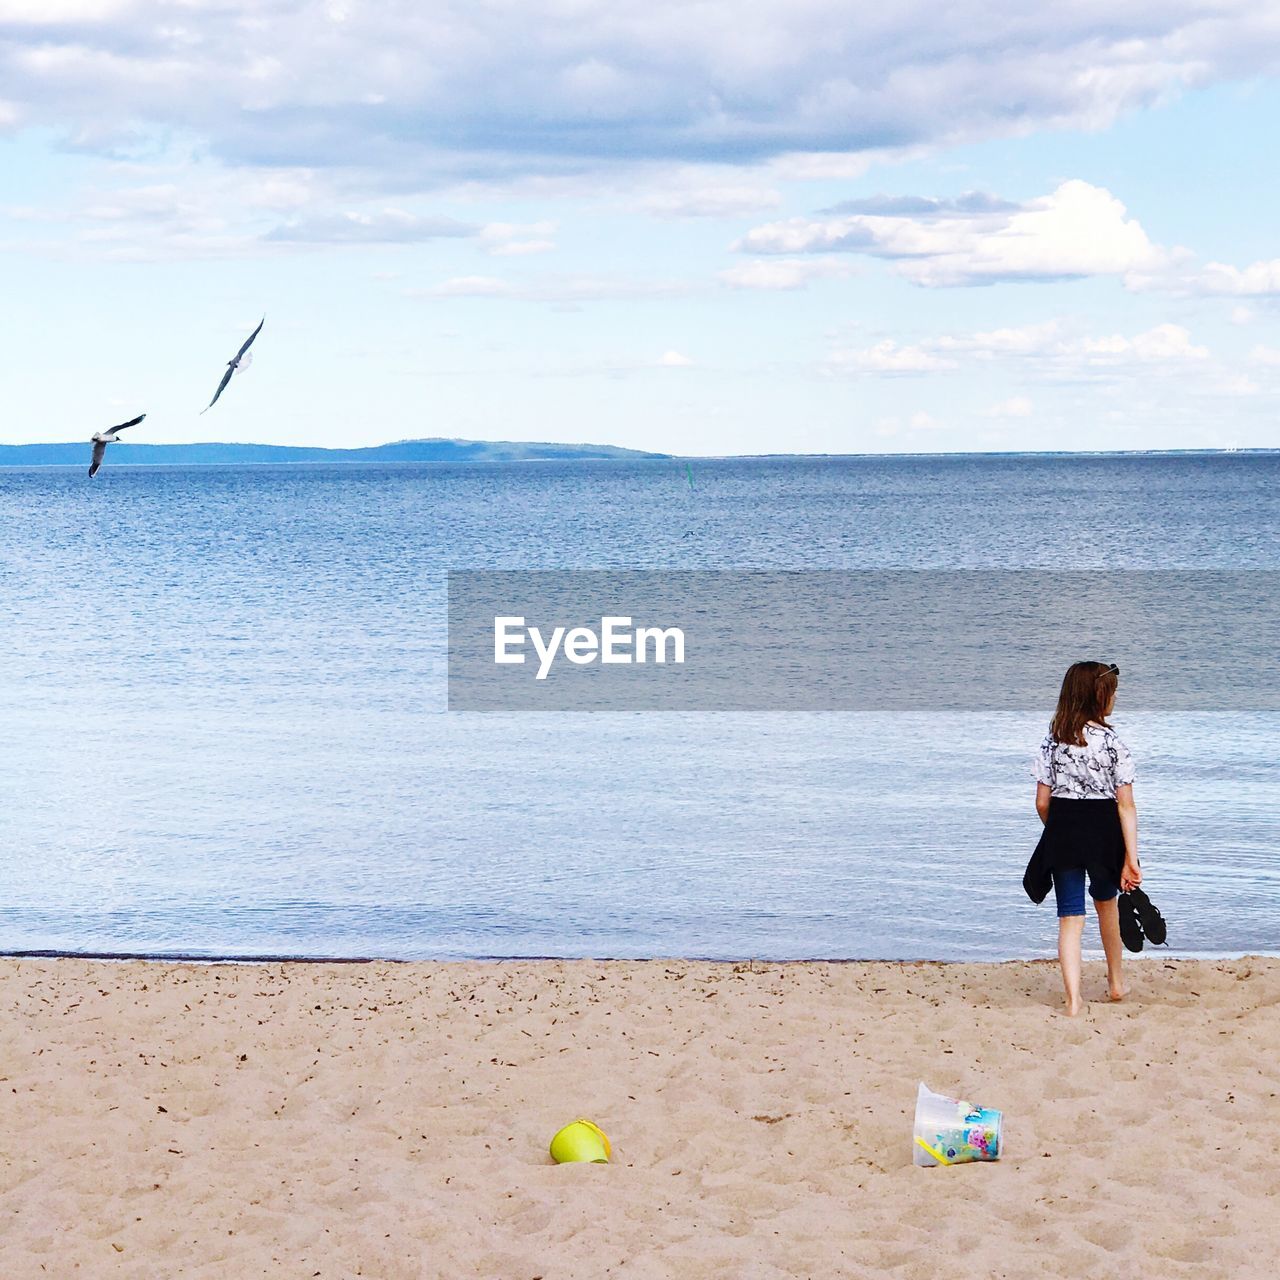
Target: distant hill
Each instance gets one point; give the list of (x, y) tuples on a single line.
[(49, 455)]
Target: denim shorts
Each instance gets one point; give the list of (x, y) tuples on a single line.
[(1068, 889)]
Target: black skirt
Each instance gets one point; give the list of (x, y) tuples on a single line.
[(1077, 833)]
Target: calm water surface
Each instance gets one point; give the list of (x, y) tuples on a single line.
[(223, 726)]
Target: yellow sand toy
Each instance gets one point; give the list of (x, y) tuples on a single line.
[(580, 1143)]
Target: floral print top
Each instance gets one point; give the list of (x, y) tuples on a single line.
[(1091, 772)]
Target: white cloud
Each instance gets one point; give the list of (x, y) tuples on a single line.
[(510, 239), (888, 357), (684, 111), (894, 425), (1269, 356), (176, 208), (1041, 350), (719, 201), (1168, 344), (1014, 407), (782, 274), (1258, 279), (467, 287), (552, 85), (822, 166), (557, 289), (674, 360), (521, 248), (971, 204), (54, 13), (1025, 340), (158, 211), (1078, 230), (388, 226)]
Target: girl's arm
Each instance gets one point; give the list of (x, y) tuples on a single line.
[(1042, 801), (1131, 876)]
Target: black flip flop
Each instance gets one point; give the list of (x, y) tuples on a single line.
[(1130, 925), (1149, 917)]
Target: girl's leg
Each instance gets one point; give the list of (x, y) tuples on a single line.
[(1068, 889), (1109, 927), (1070, 930)]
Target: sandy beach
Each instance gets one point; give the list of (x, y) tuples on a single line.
[(388, 1120)]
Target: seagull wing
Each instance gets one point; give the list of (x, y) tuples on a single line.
[(226, 377), (248, 342), (98, 450), (133, 422)]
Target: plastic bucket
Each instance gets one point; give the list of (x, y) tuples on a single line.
[(952, 1131), (580, 1143)]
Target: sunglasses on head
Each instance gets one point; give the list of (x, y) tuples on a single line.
[(1111, 670)]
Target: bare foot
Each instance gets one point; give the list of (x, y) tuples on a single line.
[(1075, 1008), (1118, 991)]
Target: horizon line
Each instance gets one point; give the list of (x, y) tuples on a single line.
[(637, 454)]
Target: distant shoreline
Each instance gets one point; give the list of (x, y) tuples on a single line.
[(214, 453), (33, 456)]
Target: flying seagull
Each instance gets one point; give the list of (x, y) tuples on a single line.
[(234, 364), (103, 438)]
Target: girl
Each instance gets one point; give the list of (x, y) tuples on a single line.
[(1084, 796)]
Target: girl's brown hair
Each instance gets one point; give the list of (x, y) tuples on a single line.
[(1087, 690)]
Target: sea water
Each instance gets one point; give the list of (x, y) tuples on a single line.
[(223, 723)]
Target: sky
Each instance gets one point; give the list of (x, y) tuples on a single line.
[(701, 227)]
